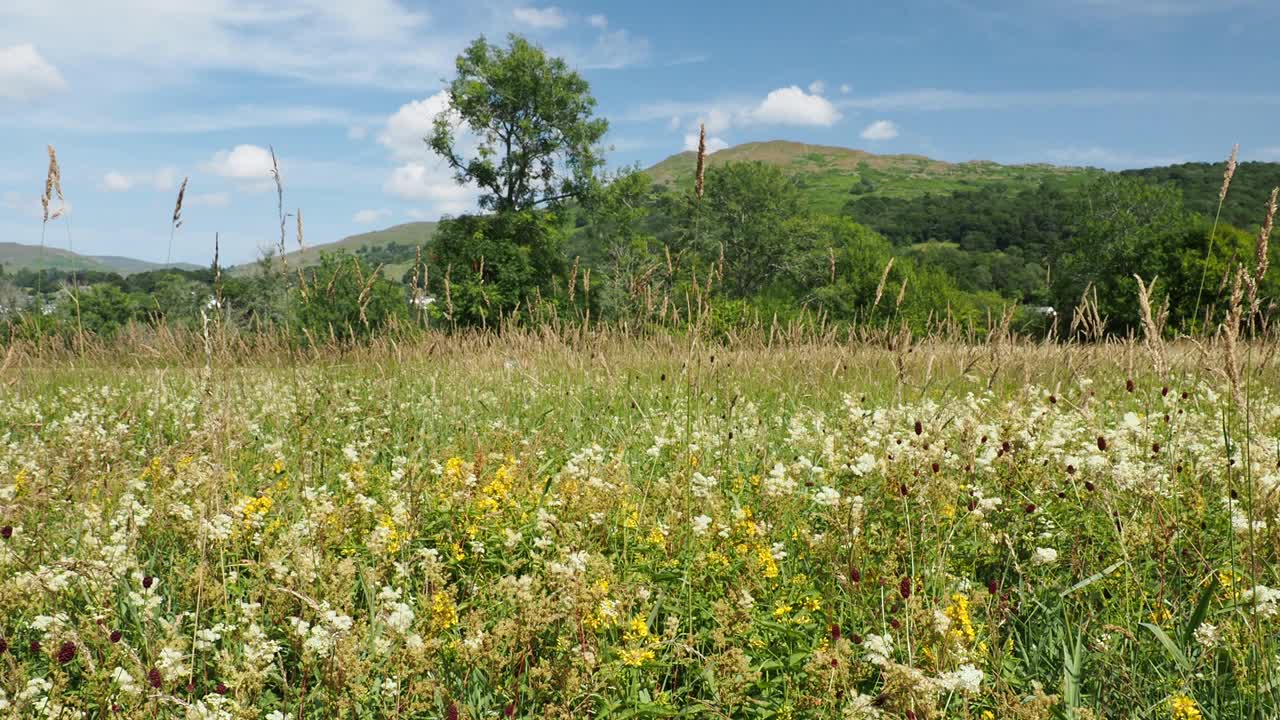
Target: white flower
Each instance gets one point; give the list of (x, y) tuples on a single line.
[(879, 649), (864, 464), (827, 497), (1044, 556), (1207, 635), (967, 679), (700, 524)]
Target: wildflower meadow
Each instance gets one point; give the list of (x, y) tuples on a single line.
[(610, 527)]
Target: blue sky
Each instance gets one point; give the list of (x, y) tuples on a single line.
[(137, 94)]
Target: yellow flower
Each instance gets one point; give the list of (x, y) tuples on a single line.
[(781, 611), (1182, 707), (444, 614), (635, 657), (958, 612), (277, 467), (656, 537), (813, 603), (637, 630)]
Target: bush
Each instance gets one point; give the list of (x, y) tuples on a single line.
[(344, 300)]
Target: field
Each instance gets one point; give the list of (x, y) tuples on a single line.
[(551, 527)]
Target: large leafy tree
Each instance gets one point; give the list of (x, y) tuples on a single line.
[(537, 141)]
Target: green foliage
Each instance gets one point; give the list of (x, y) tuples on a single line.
[(743, 218), (487, 266), (345, 300), (1124, 225), (533, 117), (1201, 183)]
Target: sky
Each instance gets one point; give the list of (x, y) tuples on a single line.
[(136, 95)]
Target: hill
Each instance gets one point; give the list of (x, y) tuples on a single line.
[(1201, 182), (393, 247), (16, 256), (830, 175)]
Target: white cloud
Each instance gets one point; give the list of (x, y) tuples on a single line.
[(793, 106), (163, 180), (407, 129), (431, 183), (880, 130), (599, 22), (612, 50), (845, 89), (354, 42), (714, 144), (368, 217), (26, 75), (540, 18), (817, 87), (210, 200), (243, 162), (115, 182)]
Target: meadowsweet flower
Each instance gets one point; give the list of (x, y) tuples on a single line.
[(878, 649), (967, 679), (827, 497), (1044, 556), (700, 524)]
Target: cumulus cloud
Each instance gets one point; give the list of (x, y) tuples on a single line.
[(407, 129), (431, 183), (817, 87), (793, 106), (163, 180), (880, 130), (599, 22), (549, 18), (243, 162), (714, 144), (26, 75), (845, 89)]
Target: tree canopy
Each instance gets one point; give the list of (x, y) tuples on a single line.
[(535, 137)]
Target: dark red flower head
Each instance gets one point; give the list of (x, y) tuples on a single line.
[(835, 633), (904, 588), (154, 679), (6, 532), (919, 428), (147, 582), (1102, 443), (67, 652), (116, 635)]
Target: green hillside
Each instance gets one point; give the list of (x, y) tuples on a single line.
[(1201, 182), (830, 176), (393, 248), (16, 256)]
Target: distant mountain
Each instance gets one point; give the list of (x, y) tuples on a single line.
[(831, 175), (16, 256)]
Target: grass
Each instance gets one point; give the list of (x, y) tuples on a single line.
[(566, 525)]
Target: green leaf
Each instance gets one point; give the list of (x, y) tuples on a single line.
[(1202, 609), (1170, 646)]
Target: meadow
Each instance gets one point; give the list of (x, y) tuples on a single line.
[(542, 525)]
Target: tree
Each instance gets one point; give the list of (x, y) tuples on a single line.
[(1124, 227), (488, 266), (744, 214), (532, 117)]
